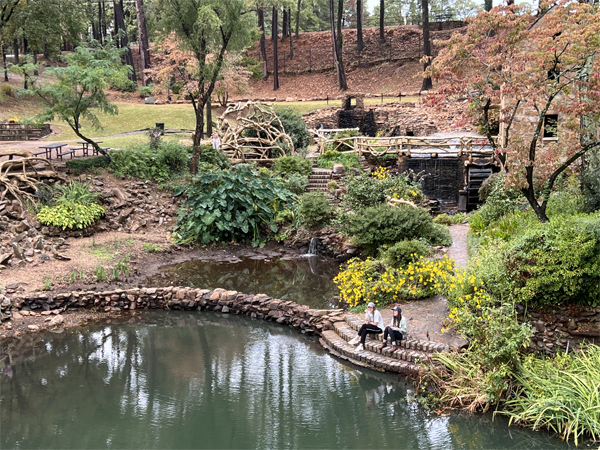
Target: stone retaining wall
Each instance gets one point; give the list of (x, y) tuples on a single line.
[(20, 132), (555, 328), (301, 317)]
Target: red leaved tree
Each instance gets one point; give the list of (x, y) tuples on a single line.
[(541, 70)]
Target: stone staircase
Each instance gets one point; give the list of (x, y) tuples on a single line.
[(406, 360), (318, 179)]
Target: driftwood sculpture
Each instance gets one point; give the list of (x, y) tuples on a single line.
[(252, 131), (20, 177)]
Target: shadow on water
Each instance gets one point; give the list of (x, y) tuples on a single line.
[(307, 281), (204, 380)]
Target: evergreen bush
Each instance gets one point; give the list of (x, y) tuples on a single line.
[(314, 209)]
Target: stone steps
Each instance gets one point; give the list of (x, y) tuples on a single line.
[(318, 179), (408, 359)]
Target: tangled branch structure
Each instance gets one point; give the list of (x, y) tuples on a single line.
[(252, 131)]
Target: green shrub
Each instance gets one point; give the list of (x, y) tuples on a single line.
[(145, 91), (214, 157), (79, 166), (331, 157), (293, 164), (177, 87), (498, 202), (70, 215), (230, 206), (6, 90), (123, 84), (295, 183), (76, 192), (385, 225), (141, 161), (364, 191), (253, 65), (314, 209), (550, 264), (404, 252), (295, 127)]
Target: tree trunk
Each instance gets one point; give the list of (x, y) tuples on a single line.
[(337, 54), (35, 71), (263, 47), (340, 35), (198, 135), (4, 62), (284, 25), (427, 85), (102, 17), (123, 41), (298, 19), (381, 21), (15, 52), (275, 54), (359, 26), (487, 5), (142, 37), (209, 128), (290, 32)]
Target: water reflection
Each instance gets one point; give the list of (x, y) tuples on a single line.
[(201, 380), (307, 281)]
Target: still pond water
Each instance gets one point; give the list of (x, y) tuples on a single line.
[(204, 380), (307, 281)]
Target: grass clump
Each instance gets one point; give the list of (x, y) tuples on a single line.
[(561, 394), (331, 157)]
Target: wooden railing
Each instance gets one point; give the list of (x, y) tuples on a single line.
[(404, 145)]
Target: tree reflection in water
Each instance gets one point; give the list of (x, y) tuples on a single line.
[(204, 380), (307, 281)]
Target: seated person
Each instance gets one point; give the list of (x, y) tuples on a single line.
[(396, 330), (373, 324)]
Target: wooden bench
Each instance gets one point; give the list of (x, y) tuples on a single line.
[(66, 152)]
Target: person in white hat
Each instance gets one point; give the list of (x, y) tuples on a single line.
[(373, 325)]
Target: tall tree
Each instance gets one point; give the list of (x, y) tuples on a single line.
[(290, 33), (359, 26), (263, 48), (381, 21), (337, 50), (122, 39), (531, 67), (4, 61), (79, 89), (207, 30), (275, 52), (298, 19), (142, 37), (427, 84), (284, 24)]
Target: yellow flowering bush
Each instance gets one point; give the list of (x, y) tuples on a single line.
[(369, 281)]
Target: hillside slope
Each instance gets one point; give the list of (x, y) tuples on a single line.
[(387, 68)]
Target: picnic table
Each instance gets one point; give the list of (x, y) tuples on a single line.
[(85, 146), (47, 149)]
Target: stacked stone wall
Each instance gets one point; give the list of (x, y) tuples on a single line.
[(301, 317), (555, 329)]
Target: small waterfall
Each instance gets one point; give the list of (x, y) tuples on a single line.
[(312, 248)]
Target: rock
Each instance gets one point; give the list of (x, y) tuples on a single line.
[(16, 316), (119, 194), (57, 320), (39, 243), (46, 313), (338, 169), (33, 327), (60, 257), (5, 257), (20, 227), (17, 251)]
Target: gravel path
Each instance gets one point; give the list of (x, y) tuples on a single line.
[(458, 249)]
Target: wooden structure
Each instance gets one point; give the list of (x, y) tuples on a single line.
[(20, 177), (252, 131), (405, 145)]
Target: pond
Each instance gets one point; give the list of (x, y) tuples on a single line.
[(306, 281), (204, 380)]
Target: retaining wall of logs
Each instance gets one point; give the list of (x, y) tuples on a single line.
[(301, 317)]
